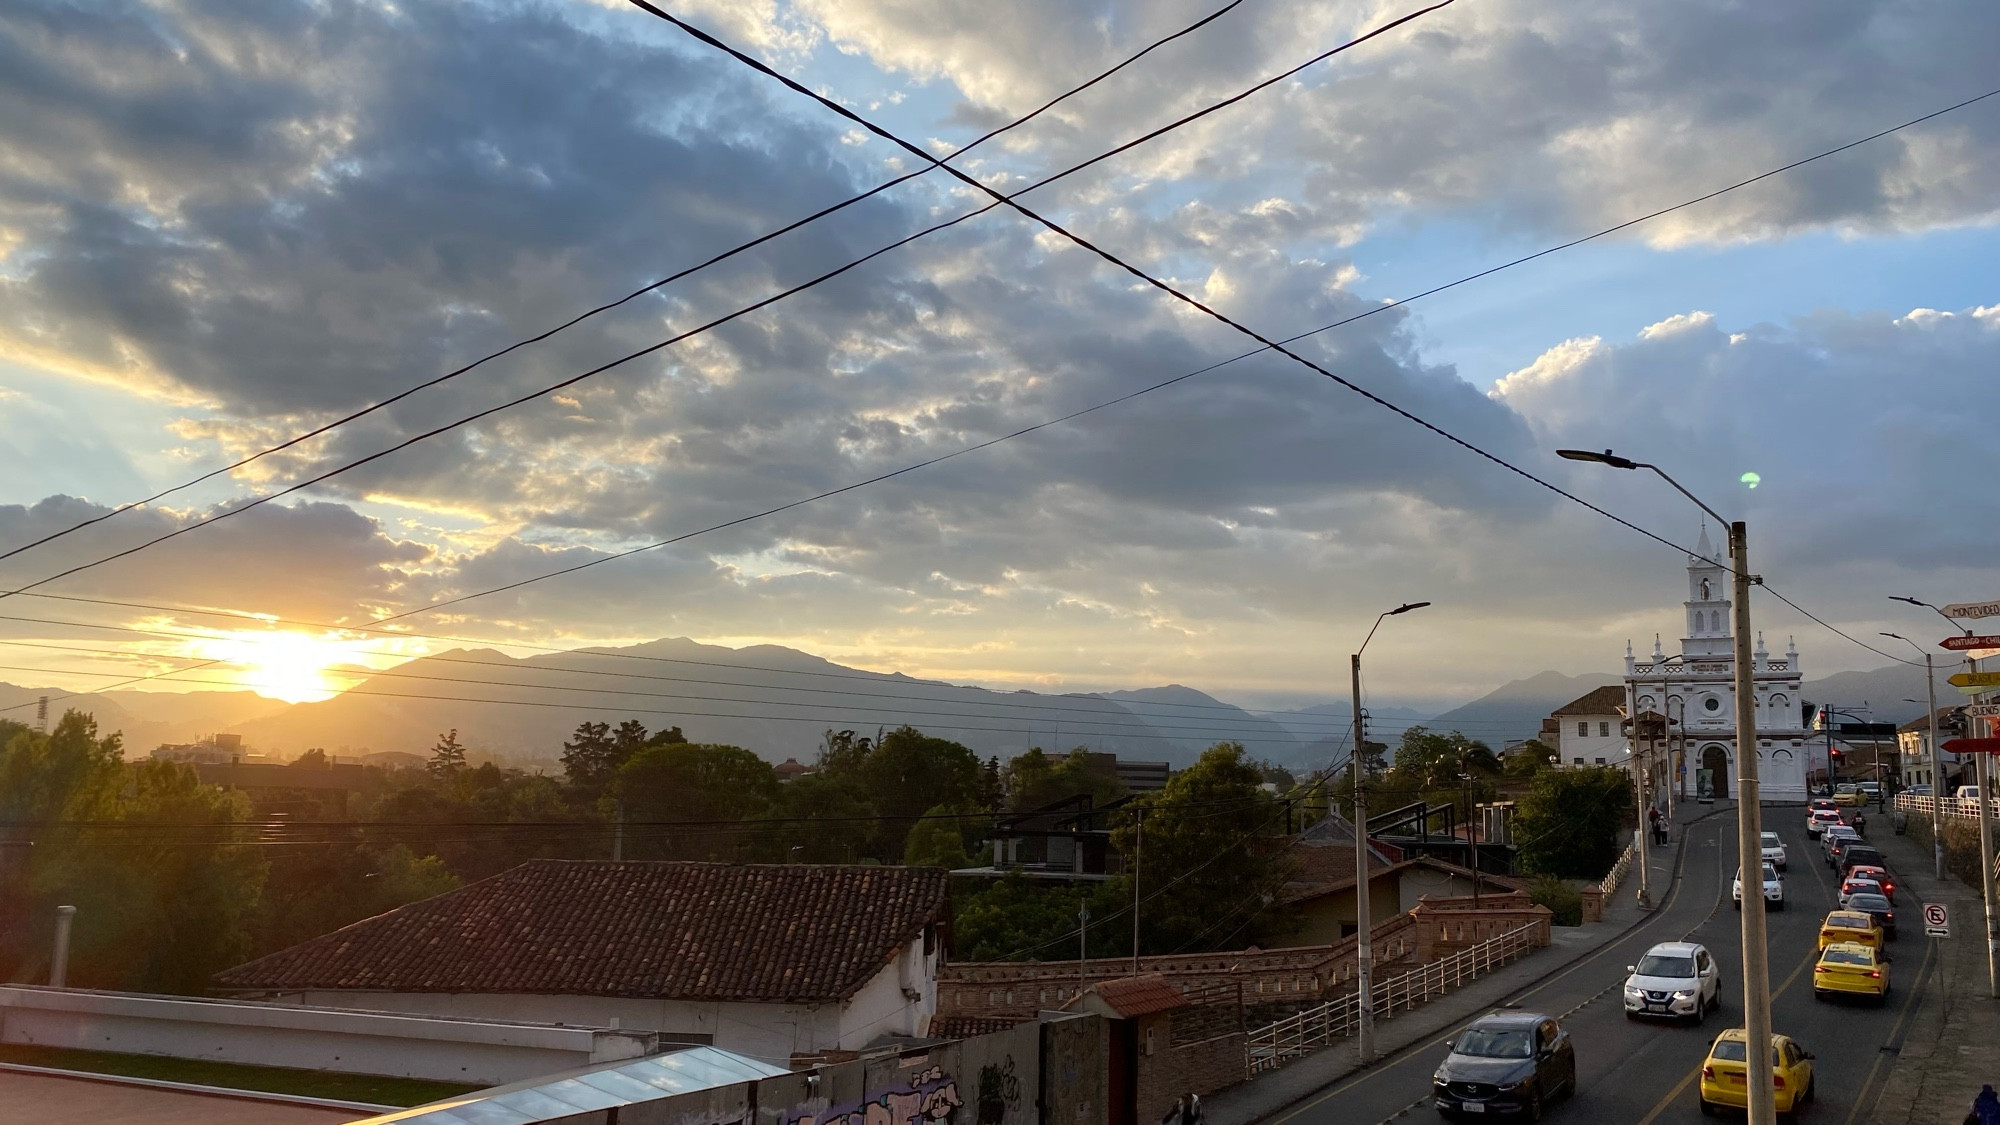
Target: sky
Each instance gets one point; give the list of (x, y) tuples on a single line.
[(225, 225)]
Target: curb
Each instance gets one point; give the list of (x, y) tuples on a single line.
[(203, 1091)]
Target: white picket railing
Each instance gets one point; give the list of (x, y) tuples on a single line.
[(1967, 807), (1299, 1035), (1623, 865)]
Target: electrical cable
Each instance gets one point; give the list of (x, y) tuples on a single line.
[(934, 162), (1123, 398), (586, 315)]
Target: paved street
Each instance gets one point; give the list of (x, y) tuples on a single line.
[(1642, 1073)]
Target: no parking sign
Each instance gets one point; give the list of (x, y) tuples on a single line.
[(1937, 920)]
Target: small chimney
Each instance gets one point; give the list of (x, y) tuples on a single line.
[(59, 967)]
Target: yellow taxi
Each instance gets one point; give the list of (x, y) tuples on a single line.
[(1722, 1073), (1850, 926), (1850, 968), (1847, 795)]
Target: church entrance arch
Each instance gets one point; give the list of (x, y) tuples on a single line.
[(1716, 760)]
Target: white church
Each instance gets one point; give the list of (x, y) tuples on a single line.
[(1691, 698)]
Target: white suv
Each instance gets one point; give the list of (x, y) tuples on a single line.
[(1818, 819), (1774, 851), (1774, 889), (1675, 979)]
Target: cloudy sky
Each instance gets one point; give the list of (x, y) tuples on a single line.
[(224, 224)]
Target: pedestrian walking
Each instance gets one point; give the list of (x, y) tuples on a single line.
[(1985, 1108), (1176, 1113), (1195, 1116)]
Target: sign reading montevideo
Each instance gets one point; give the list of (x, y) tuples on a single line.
[(1973, 610)]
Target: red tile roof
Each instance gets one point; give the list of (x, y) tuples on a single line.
[(795, 933), (1607, 700), (1132, 997)]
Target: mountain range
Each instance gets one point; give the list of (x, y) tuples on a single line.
[(779, 702)]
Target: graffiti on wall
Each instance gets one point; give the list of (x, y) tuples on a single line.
[(928, 1096)]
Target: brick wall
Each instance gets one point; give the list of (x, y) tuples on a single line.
[(1303, 974), (1445, 926), (1199, 1068)]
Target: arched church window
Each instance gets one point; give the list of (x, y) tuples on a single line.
[(1704, 589)]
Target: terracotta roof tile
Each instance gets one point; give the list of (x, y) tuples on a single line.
[(684, 931), (1132, 997), (1607, 700)]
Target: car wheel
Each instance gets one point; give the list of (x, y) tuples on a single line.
[(1819, 995), (1738, 904), (1707, 1108)]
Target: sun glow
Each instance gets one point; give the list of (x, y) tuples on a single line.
[(294, 667)]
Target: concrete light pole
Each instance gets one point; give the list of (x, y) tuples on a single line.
[(1762, 1109), (59, 964), (1937, 756), (1364, 953)]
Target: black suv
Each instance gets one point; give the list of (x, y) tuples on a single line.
[(1860, 855), (1508, 1062)]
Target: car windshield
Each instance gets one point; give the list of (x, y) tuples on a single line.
[(1847, 957), (1497, 1043), (1873, 903), (1771, 839), (1666, 965), (1847, 923), (1731, 1050)]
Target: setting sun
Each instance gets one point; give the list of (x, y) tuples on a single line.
[(294, 667)]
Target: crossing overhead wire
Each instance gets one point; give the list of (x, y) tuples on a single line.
[(635, 294), (1013, 203), (775, 298)]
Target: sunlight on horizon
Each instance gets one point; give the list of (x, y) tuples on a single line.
[(294, 667)]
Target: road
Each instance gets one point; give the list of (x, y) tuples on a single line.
[(1637, 1073)]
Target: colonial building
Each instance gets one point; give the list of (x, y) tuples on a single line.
[(1692, 696)]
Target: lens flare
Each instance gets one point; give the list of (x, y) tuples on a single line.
[(1751, 480)]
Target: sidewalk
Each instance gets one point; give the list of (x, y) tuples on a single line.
[(1951, 1041), (1269, 1093)]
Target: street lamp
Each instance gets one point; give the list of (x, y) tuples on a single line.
[(1762, 1109), (1982, 772), (1364, 1022), (1937, 755)]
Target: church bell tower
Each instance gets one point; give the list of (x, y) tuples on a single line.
[(1707, 636)]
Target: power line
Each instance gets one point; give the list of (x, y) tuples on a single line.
[(1080, 413), (1013, 203), (710, 325), (665, 281)]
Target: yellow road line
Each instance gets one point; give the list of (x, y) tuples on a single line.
[(1680, 883), (1909, 1006)]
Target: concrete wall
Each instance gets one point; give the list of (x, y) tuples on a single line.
[(307, 1037), (773, 1032)]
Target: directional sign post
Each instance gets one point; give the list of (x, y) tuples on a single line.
[(1937, 920), (1972, 611), (1971, 746), (1963, 642), (1982, 710), (1975, 680)]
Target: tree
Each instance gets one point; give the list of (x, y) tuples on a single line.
[(1531, 758), (694, 782), (1567, 825), (589, 756), (448, 756), (313, 758), (1211, 877), (937, 841), (1429, 761), (1035, 779), (903, 774), (1016, 918)]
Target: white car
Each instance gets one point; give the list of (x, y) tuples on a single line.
[(1675, 980), (1836, 832), (1774, 889), (1818, 819), (1774, 851)]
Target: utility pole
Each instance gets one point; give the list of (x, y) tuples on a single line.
[(1082, 946), (1763, 1108), (1936, 756), (618, 832), (1138, 847), (1364, 953), (1983, 771), (59, 964), (1642, 832)]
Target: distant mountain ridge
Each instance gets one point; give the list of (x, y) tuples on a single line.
[(778, 702)]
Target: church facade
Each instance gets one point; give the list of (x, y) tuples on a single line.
[(1683, 707)]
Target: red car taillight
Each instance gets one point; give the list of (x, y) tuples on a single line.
[(1778, 1080), (1875, 973), (1821, 969), (1708, 1072)]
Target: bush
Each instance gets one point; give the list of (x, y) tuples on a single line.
[(1567, 825), (1562, 898)]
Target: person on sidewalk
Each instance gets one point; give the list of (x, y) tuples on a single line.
[(1985, 1108), (1177, 1112)]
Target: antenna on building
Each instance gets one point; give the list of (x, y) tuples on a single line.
[(42, 715)]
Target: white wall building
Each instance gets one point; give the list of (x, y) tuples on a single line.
[(1696, 693), (1589, 730), (770, 961)]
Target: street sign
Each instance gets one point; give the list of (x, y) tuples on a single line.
[(1975, 680), (1972, 610), (1937, 920), (1955, 643), (1982, 710), (1971, 746)]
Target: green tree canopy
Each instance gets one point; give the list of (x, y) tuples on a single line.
[(937, 841), (1037, 778), (693, 782), (1567, 825)]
